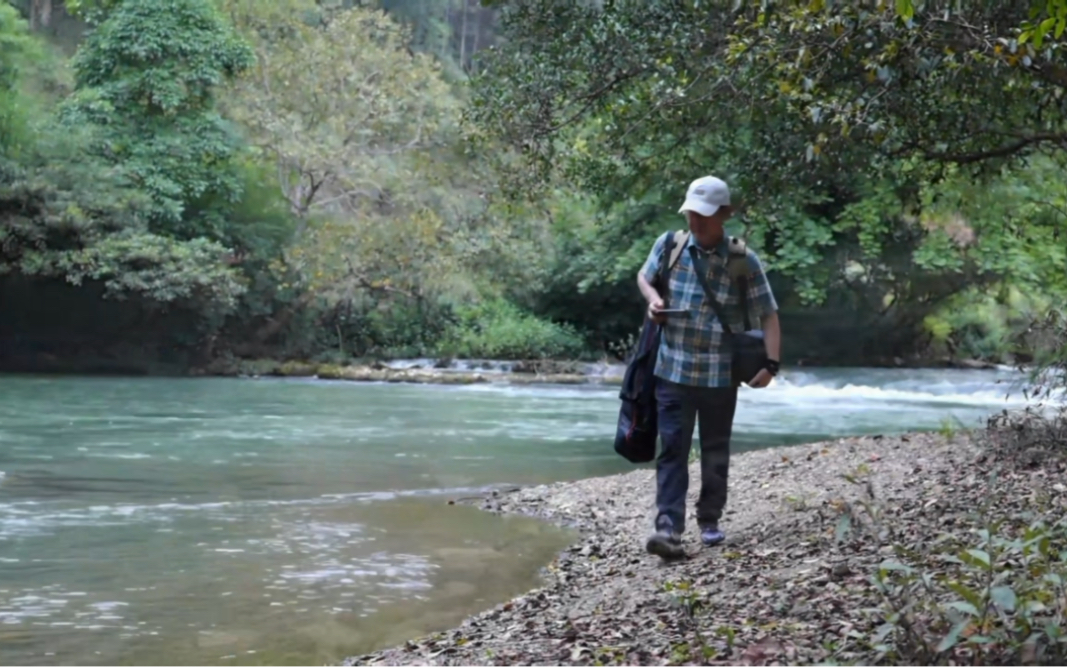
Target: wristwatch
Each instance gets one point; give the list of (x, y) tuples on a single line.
[(772, 366)]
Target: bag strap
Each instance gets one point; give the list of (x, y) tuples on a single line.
[(681, 238), (701, 268), (737, 266), (663, 280)]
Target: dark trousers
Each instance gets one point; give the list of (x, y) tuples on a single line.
[(679, 407)]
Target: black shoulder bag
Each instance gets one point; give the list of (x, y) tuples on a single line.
[(638, 426), (748, 354)]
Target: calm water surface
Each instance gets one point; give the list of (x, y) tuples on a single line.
[(214, 521)]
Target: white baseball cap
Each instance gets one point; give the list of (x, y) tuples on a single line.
[(706, 195)]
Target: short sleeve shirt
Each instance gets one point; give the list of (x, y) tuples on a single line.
[(693, 349)]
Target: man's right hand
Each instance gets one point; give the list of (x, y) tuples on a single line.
[(654, 307)]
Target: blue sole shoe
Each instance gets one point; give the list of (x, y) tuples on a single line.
[(711, 536)]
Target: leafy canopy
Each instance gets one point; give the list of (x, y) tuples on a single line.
[(810, 109), (335, 107), (146, 81)]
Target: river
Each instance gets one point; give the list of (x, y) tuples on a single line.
[(229, 521)]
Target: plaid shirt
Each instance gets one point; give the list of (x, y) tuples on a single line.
[(693, 349)]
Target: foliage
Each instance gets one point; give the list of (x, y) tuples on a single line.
[(134, 190), (587, 279), (990, 325), (363, 135), (309, 176), (992, 590), (786, 81), (452, 30), (334, 106), (1003, 601), (146, 81), (1049, 372), (342, 111), (16, 45), (17, 51), (52, 226), (499, 330), (258, 22), (845, 183), (908, 79)]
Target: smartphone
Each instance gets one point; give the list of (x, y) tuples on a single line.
[(673, 311)]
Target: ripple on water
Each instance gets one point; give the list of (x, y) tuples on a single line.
[(306, 535), (60, 607)]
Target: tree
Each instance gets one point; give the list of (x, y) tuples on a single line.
[(842, 174), (349, 117), (57, 229), (146, 81), (817, 86), (17, 48), (947, 82), (141, 193), (336, 108)]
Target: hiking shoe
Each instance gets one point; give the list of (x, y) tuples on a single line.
[(711, 536), (666, 544)]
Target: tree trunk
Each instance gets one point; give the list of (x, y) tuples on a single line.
[(463, 37), (446, 44), (278, 322), (40, 14)]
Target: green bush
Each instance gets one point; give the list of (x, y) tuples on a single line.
[(999, 599), (984, 324), (991, 593), (499, 330)]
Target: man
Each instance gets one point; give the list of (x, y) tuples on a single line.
[(693, 375)]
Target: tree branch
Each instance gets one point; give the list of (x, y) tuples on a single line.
[(365, 283), (1005, 150)]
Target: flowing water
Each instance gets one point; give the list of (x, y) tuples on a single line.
[(219, 521)]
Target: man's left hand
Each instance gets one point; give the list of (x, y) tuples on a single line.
[(762, 379)]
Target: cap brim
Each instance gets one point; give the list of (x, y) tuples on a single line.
[(699, 207)]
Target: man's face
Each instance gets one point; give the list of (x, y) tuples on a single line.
[(707, 225)]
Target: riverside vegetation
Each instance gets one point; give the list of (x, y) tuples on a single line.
[(203, 182)]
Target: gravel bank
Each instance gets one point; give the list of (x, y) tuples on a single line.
[(789, 586)]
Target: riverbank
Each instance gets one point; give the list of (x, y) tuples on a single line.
[(421, 371), (793, 583), (428, 371), (458, 372)]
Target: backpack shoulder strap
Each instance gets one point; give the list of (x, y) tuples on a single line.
[(737, 264), (681, 237)]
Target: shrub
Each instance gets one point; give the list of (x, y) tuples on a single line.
[(987, 324), (993, 592), (997, 599), (499, 330)]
